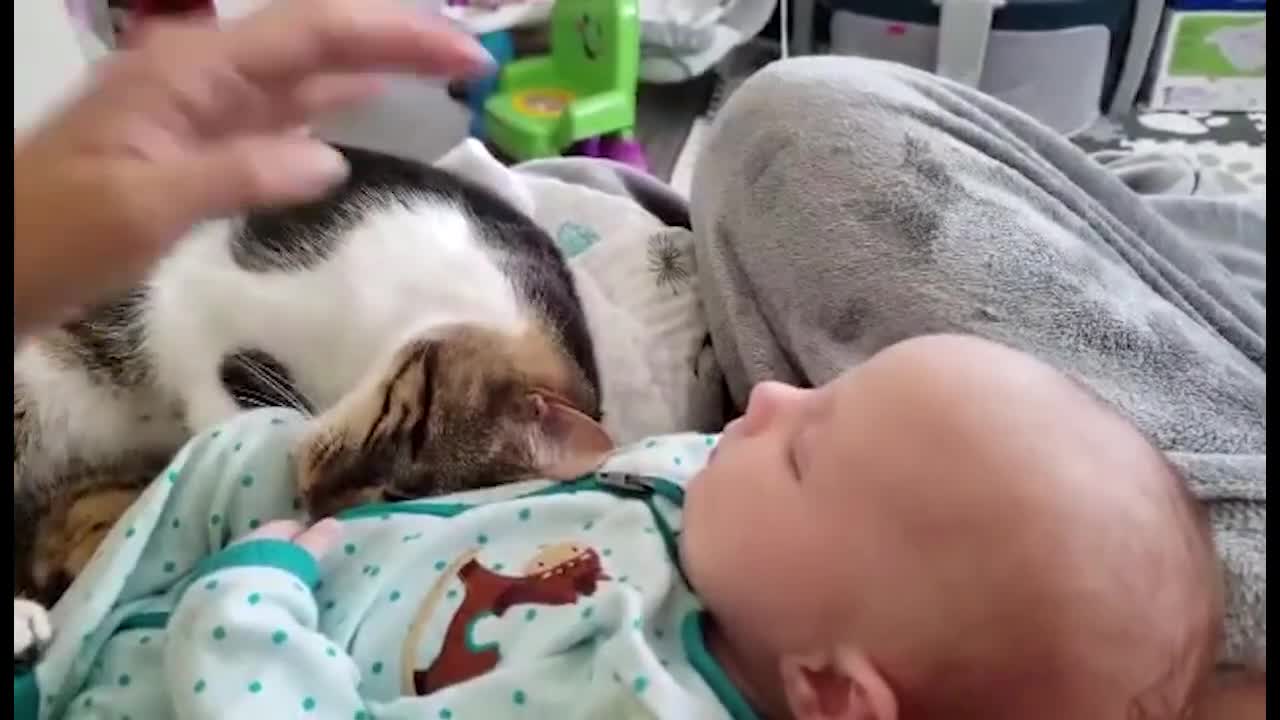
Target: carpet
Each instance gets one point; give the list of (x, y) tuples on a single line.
[(1234, 144)]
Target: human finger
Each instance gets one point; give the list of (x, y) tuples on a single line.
[(320, 538), (294, 39), (329, 92), (286, 108), (255, 171)]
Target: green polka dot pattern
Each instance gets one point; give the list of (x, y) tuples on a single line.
[(615, 614)]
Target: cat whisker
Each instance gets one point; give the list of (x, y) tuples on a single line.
[(252, 400), (269, 378)]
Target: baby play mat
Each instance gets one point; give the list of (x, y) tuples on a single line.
[(1234, 144)]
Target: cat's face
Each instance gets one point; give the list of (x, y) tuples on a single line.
[(459, 410)]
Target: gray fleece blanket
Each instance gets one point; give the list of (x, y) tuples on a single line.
[(842, 205)]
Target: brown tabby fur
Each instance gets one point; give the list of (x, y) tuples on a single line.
[(471, 409), (66, 529)]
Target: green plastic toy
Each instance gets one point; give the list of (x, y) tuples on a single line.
[(580, 96)]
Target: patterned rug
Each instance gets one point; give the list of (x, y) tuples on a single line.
[(1233, 143)]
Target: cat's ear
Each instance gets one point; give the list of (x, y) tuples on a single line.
[(573, 444)]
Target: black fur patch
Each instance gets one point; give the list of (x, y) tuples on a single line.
[(256, 379), (304, 236)]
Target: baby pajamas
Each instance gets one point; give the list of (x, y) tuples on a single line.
[(114, 625), (537, 600)]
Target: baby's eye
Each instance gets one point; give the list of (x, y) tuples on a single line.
[(800, 450), (794, 455), (793, 462)]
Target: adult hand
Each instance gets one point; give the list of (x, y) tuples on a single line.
[(197, 121)]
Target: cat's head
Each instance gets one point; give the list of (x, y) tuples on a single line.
[(458, 409)]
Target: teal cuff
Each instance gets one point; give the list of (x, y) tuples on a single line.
[(278, 554), (26, 696), (693, 636)]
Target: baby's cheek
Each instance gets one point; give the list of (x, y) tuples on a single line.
[(706, 540), (760, 593), (737, 542)]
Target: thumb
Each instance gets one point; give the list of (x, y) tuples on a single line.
[(253, 172), (320, 538)]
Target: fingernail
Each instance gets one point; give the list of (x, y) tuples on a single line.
[(480, 59)]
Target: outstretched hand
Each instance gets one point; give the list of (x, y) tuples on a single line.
[(198, 121)]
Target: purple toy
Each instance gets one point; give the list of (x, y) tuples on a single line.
[(613, 147)]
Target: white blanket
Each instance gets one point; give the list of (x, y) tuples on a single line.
[(638, 283)]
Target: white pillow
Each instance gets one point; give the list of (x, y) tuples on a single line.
[(638, 282)]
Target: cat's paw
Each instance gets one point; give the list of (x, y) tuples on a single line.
[(32, 631)]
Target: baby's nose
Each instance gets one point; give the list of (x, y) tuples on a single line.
[(768, 401)]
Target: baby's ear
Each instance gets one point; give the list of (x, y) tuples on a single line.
[(837, 684), (571, 444)]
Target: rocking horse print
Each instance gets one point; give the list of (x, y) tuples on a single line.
[(558, 574)]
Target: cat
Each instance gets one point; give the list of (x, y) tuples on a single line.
[(432, 331)]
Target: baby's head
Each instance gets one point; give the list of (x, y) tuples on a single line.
[(951, 530)]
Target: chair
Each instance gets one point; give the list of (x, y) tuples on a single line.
[(582, 96)]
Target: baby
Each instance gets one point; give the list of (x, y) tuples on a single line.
[(950, 530)]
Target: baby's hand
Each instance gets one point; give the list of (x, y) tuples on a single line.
[(317, 540)]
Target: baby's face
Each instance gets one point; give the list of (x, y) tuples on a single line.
[(859, 503), (768, 522), (935, 507)]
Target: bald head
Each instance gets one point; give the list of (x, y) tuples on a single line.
[(1026, 540)]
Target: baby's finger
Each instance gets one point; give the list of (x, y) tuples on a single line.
[(320, 538), (275, 530)]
